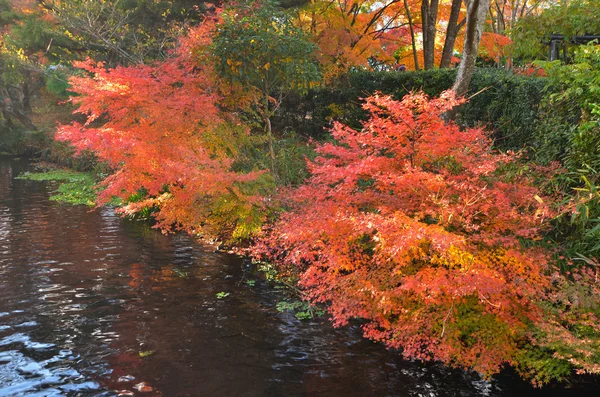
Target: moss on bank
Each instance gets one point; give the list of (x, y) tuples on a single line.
[(76, 188)]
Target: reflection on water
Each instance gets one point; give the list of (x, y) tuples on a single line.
[(93, 305)]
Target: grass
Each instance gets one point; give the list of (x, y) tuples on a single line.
[(76, 188)]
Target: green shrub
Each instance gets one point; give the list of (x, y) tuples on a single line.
[(11, 140), (569, 131), (291, 152), (570, 123), (17, 141), (506, 103), (57, 82)]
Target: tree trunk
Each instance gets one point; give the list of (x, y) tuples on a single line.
[(429, 11), (9, 113), (476, 15), (25, 120), (26, 98), (12, 108), (451, 33), (412, 35), (267, 116), (271, 150), (8, 119)]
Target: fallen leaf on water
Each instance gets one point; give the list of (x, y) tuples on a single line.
[(143, 387)]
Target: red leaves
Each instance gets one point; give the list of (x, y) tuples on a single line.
[(409, 225), (160, 128)]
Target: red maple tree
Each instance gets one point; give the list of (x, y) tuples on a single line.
[(160, 128), (410, 225)]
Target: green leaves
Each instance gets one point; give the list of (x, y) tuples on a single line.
[(577, 17), (76, 188), (258, 46), (572, 123), (302, 310)]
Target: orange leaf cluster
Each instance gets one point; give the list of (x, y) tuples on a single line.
[(160, 128), (493, 46), (347, 33), (409, 225)]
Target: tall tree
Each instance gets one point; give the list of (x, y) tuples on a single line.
[(413, 41), (258, 46), (348, 33), (123, 31), (505, 14), (476, 15), (429, 17), (161, 129), (452, 30), (18, 72)]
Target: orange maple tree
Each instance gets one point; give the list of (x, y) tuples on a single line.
[(348, 32), (410, 225), (159, 127), (494, 46)]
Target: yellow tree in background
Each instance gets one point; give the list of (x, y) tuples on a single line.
[(349, 32)]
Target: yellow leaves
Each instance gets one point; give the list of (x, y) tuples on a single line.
[(267, 66), (511, 263), (234, 65), (335, 111), (112, 86), (343, 41), (69, 35), (15, 53), (20, 53), (454, 258)]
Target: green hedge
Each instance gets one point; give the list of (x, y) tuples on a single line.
[(508, 103)]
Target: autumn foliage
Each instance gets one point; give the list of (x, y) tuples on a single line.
[(159, 127), (347, 35), (494, 46), (411, 225)]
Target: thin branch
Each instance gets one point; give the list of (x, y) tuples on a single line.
[(446, 319)]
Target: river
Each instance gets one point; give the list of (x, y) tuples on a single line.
[(95, 305)]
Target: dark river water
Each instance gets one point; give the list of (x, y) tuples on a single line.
[(94, 305)]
